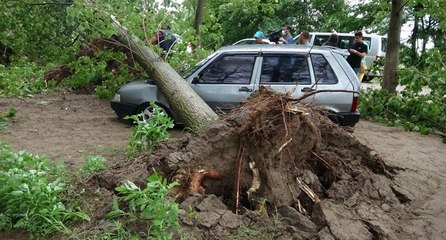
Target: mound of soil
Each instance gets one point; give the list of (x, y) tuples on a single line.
[(273, 168)]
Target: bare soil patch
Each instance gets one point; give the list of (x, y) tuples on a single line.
[(375, 183), (65, 126)]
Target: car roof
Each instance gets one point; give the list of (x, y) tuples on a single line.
[(343, 34), (264, 40), (285, 48)]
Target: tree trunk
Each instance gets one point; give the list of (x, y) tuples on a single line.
[(390, 80), (198, 20), (192, 110), (414, 37)]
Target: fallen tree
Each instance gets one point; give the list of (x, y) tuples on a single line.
[(192, 110)]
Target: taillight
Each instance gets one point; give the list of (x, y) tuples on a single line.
[(354, 104), (377, 58)]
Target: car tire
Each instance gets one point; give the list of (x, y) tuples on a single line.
[(147, 110), (334, 118)]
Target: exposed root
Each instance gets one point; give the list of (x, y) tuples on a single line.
[(325, 163), (238, 168), (285, 144), (255, 185), (190, 181), (304, 187)]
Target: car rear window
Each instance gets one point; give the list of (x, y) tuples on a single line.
[(230, 69), (323, 72), (383, 44), (285, 69)]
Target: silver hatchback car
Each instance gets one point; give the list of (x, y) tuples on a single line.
[(227, 77)]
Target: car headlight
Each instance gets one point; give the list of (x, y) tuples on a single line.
[(116, 98)]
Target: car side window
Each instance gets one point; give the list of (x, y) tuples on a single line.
[(285, 69), (323, 72), (230, 69), (345, 42), (320, 39)]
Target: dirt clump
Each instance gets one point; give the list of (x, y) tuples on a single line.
[(285, 171)]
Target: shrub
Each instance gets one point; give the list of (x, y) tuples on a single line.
[(31, 194), (148, 132), (150, 203)]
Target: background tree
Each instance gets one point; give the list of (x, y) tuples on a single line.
[(199, 13), (37, 29), (390, 82)]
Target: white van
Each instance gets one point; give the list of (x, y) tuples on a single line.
[(377, 46)]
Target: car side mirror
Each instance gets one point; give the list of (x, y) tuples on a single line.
[(195, 80)]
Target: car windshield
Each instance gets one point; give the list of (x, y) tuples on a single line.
[(189, 72)]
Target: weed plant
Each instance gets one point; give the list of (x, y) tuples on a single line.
[(150, 203), (4, 117), (147, 132), (31, 194), (94, 164)]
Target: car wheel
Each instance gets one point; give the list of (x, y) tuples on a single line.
[(146, 111), (334, 118)]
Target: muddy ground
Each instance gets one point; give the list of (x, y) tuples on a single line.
[(68, 126)]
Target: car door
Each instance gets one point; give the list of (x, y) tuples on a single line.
[(284, 72), (227, 81), (329, 75)]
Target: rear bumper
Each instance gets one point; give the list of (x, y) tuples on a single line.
[(123, 109), (349, 118)]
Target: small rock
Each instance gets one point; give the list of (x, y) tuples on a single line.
[(208, 219), (211, 203), (174, 158), (309, 178), (189, 203), (295, 218), (324, 234), (230, 220), (184, 218), (373, 153), (352, 201), (385, 207)]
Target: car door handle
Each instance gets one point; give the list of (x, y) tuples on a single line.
[(307, 89), (245, 89)]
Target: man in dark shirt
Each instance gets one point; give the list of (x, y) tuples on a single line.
[(164, 38), (357, 51)]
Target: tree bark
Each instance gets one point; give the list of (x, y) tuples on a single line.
[(390, 80), (192, 110), (414, 36), (199, 13)]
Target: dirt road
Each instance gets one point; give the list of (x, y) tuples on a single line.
[(69, 127)]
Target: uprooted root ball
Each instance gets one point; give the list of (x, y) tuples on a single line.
[(276, 155)]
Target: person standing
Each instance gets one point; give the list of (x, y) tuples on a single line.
[(363, 66), (259, 36), (357, 52), (332, 40), (304, 39), (288, 38), (164, 38)]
